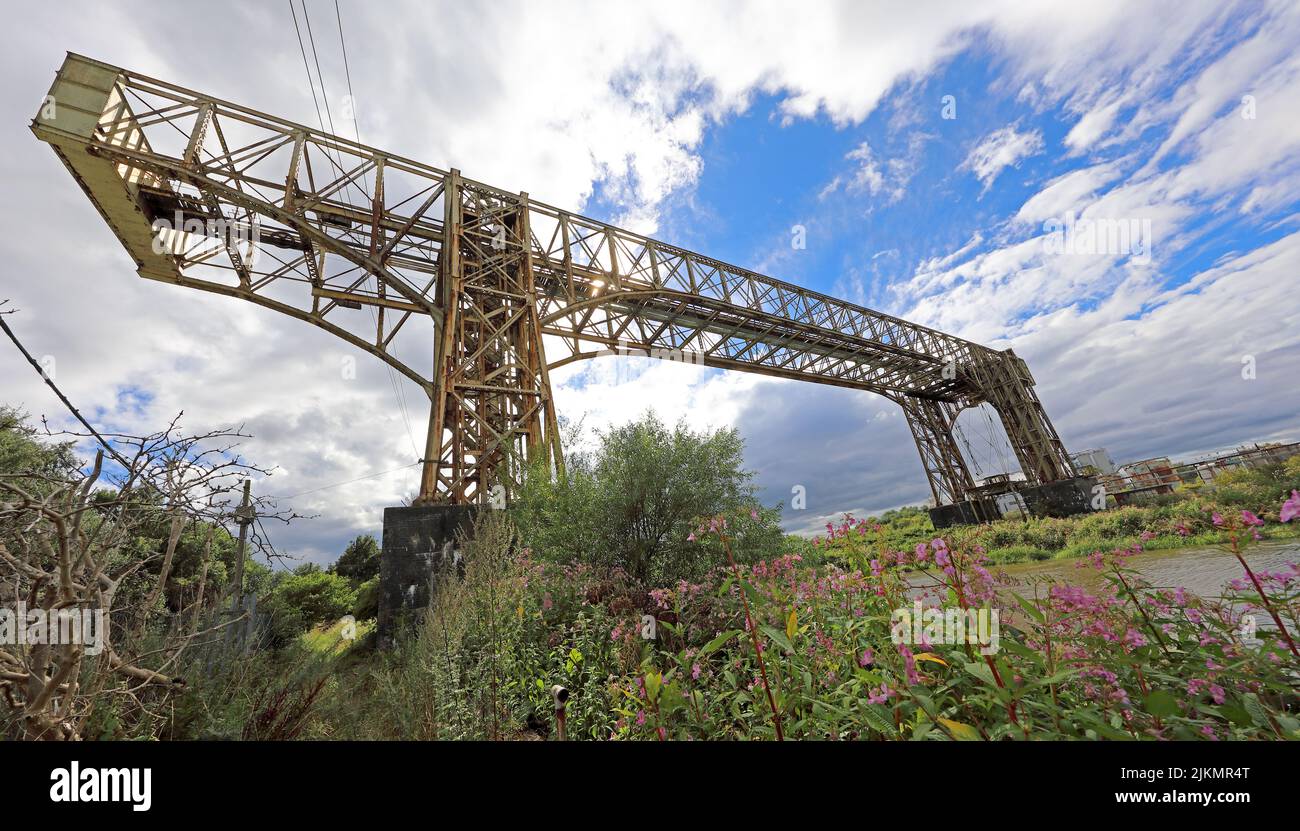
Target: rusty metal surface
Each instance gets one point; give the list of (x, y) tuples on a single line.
[(486, 277)]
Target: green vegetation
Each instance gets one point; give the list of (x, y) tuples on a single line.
[(308, 599), (137, 539), (305, 598), (1161, 522), (630, 505), (337, 637), (360, 560), (22, 453), (1069, 663), (647, 581), (650, 634)]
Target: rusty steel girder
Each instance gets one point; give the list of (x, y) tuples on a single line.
[(480, 283)]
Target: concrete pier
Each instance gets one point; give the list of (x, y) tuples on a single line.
[(419, 544), (1055, 499)]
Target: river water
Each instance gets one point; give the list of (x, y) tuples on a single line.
[(1202, 571)]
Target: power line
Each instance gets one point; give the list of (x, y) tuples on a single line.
[(393, 381), (50, 383), (337, 158), (329, 115), (122, 461), (305, 65), (961, 435), (347, 73), (398, 396), (319, 75)]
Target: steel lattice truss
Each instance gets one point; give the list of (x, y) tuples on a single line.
[(210, 195)]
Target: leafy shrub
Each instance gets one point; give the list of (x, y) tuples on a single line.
[(304, 598), (631, 505), (806, 653), (360, 560), (1126, 661), (366, 606), (482, 661), (1257, 488)]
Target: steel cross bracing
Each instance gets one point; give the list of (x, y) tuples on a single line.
[(505, 281)]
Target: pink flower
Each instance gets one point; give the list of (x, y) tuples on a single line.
[(1216, 518), (695, 672), (1134, 638), (867, 658), (546, 602), (909, 663), (879, 696), (1250, 519), (1291, 507)]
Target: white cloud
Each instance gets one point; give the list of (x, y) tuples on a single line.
[(1226, 160), (1092, 126), (561, 100), (868, 176), (872, 176), (999, 150), (1118, 350), (1067, 192), (1248, 69)]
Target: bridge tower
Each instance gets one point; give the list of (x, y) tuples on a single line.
[(475, 294)]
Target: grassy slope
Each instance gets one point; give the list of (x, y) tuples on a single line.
[(329, 638), (1023, 540)]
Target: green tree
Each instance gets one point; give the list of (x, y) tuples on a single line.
[(635, 501), (22, 452), (360, 560), (305, 597)]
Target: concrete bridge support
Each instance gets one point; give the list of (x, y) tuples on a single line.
[(421, 546)]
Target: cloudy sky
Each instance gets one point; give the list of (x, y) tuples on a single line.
[(947, 160)]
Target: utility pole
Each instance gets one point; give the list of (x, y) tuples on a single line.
[(244, 516)]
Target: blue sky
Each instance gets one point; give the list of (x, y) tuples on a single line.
[(885, 197), (760, 174), (719, 127)]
